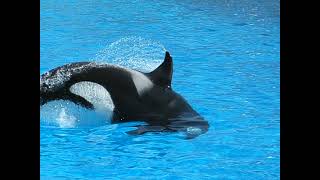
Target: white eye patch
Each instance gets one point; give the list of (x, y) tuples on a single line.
[(94, 93)]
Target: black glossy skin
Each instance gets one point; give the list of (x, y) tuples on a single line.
[(160, 107)]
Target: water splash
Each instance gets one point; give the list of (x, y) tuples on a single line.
[(66, 121), (65, 114), (133, 52)]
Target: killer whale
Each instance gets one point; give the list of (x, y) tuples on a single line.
[(133, 95)]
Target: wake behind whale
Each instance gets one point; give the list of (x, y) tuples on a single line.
[(128, 94)]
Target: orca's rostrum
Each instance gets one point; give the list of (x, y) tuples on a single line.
[(131, 95)]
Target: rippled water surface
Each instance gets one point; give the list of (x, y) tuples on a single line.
[(226, 64)]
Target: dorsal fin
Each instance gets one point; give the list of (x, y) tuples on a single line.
[(163, 74)]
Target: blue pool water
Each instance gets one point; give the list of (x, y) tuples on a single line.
[(226, 64)]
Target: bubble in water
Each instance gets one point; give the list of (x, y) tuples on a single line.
[(133, 52)]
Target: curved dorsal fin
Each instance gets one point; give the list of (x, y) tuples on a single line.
[(163, 74)]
